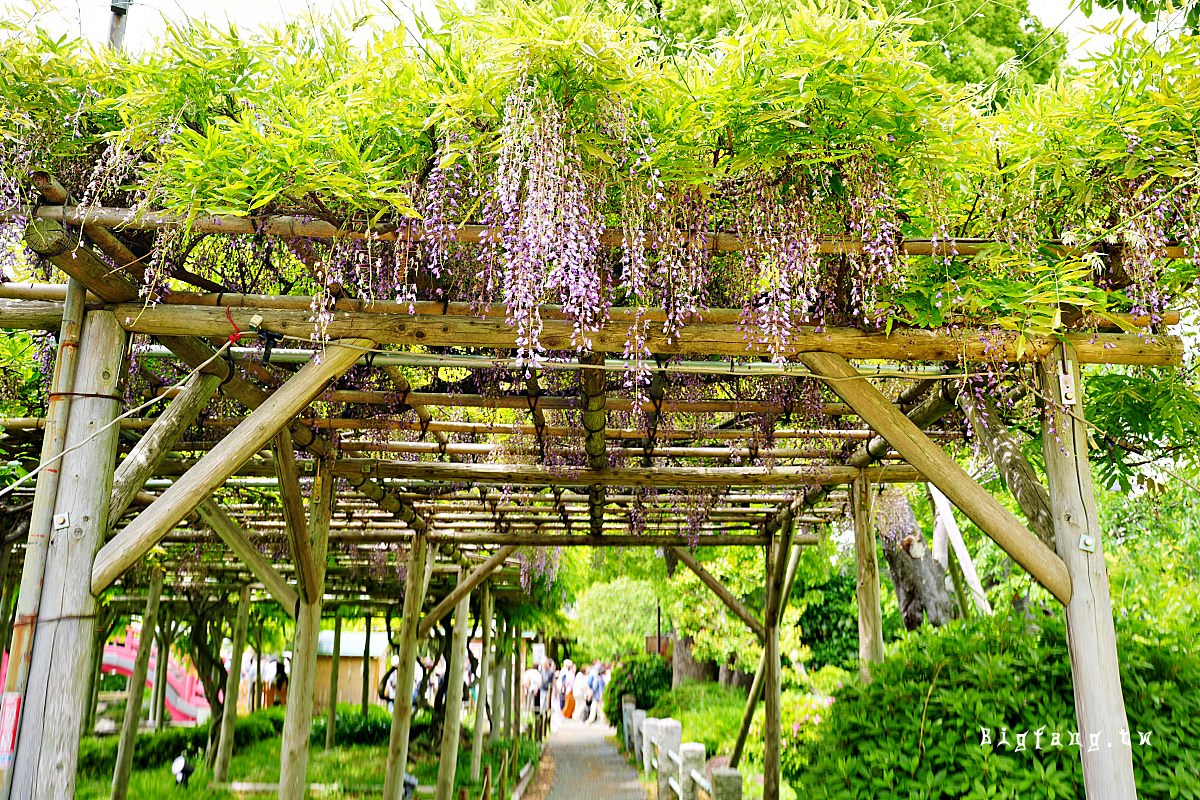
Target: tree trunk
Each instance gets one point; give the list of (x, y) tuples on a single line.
[(920, 583), (686, 668)]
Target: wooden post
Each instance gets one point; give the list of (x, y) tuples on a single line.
[(366, 667), (452, 724), (402, 707), (258, 653), (497, 718), (233, 685), (58, 407), (162, 672), (293, 758), (514, 684), (772, 766), (1091, 639), (485, 617), (293, 514), (870, 613), (156, 521), (137, 688), (48, 741), (334, 667), (163, 434)]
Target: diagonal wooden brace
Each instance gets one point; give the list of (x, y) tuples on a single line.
[(464, 588), (923, 453), (726, 597), (157, 520), (293, 515), (235, 537)]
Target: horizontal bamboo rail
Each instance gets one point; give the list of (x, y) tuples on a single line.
[(295, 227)]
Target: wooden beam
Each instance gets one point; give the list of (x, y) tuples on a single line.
[(726, 597), (725, 339), (139, 465), (62, 246), (54, 192), (870, 613), (31, 315), (1091, 637), (527, 474), (235, 538), (944, 512), (464, 588), (222, 461), (984, 510), (308, 227), (292, 500)]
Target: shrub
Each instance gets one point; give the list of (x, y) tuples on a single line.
[(98, 755), (353, 727), (915, 731), (647, 677), (709, 713)]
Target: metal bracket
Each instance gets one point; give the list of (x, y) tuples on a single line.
[(1087, 543), (62, 521), (1066, 386)]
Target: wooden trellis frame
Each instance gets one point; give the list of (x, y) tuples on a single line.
[(420, 504)]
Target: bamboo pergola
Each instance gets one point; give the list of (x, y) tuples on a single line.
[(458, 495)]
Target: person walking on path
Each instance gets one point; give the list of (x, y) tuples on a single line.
[(596, 682)]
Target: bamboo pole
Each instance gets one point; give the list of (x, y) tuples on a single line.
[(62, 657), (222, 461), (137, 688), (293, 758), (235, 538), (452, 723), (485, 617), (1091, 637), (305, 227), (233, 684), (158, 441), (41, 515), (402, 708), (726, 597), (334, 666), (870, 613), (527, 474), (465, 586), (983, 509)]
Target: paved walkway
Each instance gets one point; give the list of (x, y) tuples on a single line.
[(587, 767)]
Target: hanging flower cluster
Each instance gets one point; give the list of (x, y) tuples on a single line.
[(544, 224)]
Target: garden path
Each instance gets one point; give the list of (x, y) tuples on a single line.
[(587, 765)]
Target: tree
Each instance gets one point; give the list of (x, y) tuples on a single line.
[(612, 619), (1149, 9), (967, 42)]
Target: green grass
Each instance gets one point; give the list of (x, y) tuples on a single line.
[(359, 768), (710, 714)]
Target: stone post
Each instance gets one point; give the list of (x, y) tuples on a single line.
[(670, 738), (727, 784), (628, 704), (649, 737), (637, 735), (693, 756)]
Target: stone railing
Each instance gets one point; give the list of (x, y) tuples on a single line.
[(679, 766)]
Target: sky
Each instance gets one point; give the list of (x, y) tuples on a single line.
[(147, 18)]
